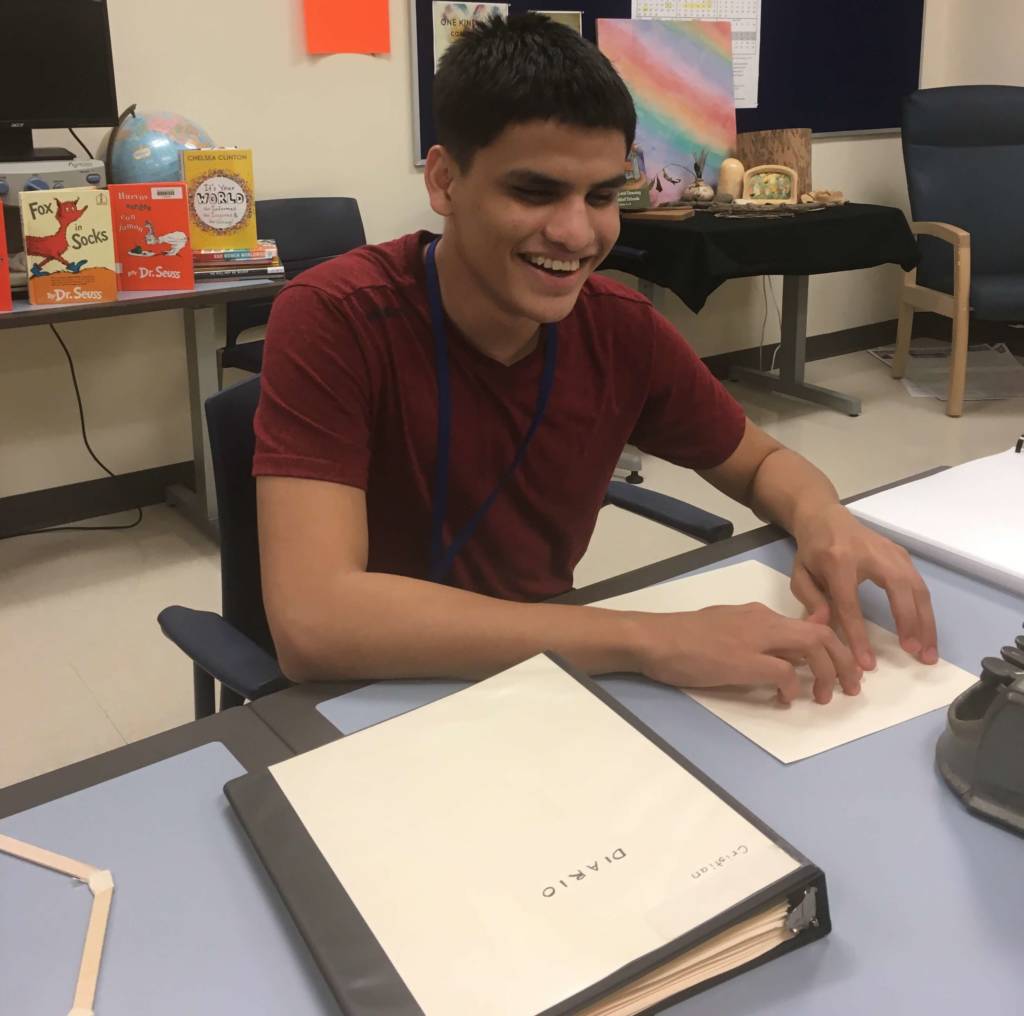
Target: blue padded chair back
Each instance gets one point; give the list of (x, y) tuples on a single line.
[(963, 148), (229, 417), (308, 231)]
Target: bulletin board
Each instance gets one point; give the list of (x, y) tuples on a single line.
[(830, 65)]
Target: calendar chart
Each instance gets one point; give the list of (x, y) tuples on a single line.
[(745, 17)]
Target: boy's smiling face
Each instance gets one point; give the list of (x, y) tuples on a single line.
[(533, 215)]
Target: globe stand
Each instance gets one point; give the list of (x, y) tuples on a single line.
[(16, 146)]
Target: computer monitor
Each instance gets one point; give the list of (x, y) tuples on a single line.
[(56, 70)]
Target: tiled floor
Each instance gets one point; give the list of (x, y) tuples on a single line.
[(84, 668)]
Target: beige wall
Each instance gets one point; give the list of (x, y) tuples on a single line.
[(343, 125), (974, 42)]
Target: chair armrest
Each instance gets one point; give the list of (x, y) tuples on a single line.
[(223, 651), (942, 231), (668, 511)]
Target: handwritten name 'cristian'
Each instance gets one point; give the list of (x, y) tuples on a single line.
[(720, 862), (588, 870)]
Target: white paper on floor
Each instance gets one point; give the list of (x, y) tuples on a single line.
[(993, 372)]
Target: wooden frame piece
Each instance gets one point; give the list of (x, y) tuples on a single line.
[(957, 307), (771, 170), (101, 885), (788, 146)]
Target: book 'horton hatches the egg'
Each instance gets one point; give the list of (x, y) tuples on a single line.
[(69, 246)]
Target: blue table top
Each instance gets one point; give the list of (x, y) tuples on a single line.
[(927, 900), (196, 927)]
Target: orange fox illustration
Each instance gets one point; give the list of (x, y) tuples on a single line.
[(52, 247)]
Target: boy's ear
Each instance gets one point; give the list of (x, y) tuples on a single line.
[(440, 173)]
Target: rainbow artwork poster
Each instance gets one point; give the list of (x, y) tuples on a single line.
[(680, 76)]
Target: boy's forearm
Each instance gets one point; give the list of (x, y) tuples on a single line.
[(790, 491), (371, 626)]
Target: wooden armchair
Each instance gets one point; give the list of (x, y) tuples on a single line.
[(963, 148), (956, 306)]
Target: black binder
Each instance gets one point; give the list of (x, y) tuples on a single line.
[(359, 971)]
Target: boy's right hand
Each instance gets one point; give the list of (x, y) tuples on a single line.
[(743, 645)]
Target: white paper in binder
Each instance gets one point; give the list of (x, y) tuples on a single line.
[(970, 518)]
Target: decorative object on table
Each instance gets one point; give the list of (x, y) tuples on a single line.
[(760, 210), (452, 20), (359, 26), (5, 271), (101, 885), (730, 179), (221, 198), (151, 236), (669, 212), (145, 147), (823, 197), (738, 210), (700, 189), (680, 76), (635, 194), (770, 185), (978, 753), (787, 147), (69, 246), (571, 19)]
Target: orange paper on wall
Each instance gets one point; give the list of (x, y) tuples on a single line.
[(347, 26)]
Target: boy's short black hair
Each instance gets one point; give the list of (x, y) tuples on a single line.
[(528, 67)]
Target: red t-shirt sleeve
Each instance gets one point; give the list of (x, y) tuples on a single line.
[(315, 409), (688, 418)]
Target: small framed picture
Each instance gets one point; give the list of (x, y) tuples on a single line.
[(770, 185)]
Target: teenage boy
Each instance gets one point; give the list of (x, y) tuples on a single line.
[(440, 419)]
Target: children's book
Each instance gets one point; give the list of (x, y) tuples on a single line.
[(151, 236), (5, 270), (221, 199), (69, 246)]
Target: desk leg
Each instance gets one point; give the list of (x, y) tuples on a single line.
[(789, 378), (205, 330)]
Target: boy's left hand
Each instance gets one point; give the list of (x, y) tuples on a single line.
[(835, 553)]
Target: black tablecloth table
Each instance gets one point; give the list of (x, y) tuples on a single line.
[(693, 257)]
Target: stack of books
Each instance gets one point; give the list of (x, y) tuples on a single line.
[(261, 261)]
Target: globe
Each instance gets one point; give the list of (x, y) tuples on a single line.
[(144, 147)]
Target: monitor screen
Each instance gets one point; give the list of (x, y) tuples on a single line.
[(56, 66)]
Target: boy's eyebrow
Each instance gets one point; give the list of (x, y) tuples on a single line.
[(530, 178)]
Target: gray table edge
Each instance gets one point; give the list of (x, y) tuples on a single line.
[(241, 730), (206, 294)]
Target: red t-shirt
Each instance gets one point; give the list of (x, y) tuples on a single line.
[(349, 395)]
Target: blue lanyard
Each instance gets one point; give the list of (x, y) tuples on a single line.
[(441, 558)]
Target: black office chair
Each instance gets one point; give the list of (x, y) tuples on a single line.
[(308, 231), (235, 646), (963, 148)]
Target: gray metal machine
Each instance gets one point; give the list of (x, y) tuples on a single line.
[(981, 752)]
